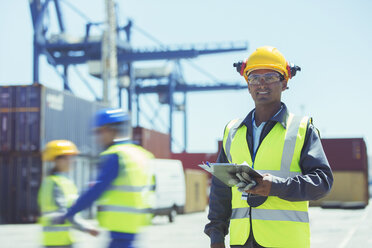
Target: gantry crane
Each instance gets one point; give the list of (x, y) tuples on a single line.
[(62, 52)]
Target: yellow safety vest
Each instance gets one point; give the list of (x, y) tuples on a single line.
[(277, 222), (126, 205), (55, 235)]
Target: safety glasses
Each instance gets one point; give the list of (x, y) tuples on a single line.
[(264, 79)]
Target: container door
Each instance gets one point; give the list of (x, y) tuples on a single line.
[(27, 115), (7, 97)]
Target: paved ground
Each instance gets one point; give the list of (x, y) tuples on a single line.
[(330, 228)]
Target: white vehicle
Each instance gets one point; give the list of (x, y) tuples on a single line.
[(170, 189)]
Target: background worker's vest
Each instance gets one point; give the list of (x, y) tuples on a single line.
[(55, 235), (126, 205), (277, 222)]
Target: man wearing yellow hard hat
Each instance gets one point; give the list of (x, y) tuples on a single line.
[(271, 211), (57, 193)]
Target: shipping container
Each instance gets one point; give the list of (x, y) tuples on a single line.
[(33, 115), (27, 118), (5, 190), (7, 95), (346, 154), (196, 190), (27, 182), (20, 180), (154, 141), (349, 163), (21, 175), (192, 160), (348, 187)]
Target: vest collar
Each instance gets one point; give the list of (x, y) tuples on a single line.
[(120, 142), (281, 118)]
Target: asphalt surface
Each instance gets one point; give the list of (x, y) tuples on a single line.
[(329, 227)]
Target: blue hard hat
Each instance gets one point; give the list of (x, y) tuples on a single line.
[(110, 116)]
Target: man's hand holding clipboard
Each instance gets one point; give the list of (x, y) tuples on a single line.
[(239, 175)]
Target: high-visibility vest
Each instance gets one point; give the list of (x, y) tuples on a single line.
[(126, 205), (55, 235), (277, 222)]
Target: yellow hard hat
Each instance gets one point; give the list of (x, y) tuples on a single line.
[(267, 57), (57, 148)]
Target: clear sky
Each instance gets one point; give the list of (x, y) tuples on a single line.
[(330, 40)]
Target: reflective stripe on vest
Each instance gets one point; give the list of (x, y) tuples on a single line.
[(290, 143), (234, 127), (271, 214), (277, 222), (51, 212), (60, 246), (55, 228), (123, 209), (128, 188)]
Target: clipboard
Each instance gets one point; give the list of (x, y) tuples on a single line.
[(225, 172)]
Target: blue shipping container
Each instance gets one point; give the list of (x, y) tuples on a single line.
[(33, 115)]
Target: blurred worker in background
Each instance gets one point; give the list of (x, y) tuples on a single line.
[(285, 148), (124, 187), (57, 193)]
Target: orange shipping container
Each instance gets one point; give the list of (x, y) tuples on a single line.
[(154, 141)]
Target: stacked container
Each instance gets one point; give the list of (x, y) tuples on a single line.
[(31, 116), (154, 141), (349, 163), (192, 160)]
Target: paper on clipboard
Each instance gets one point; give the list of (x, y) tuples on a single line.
[(226, 172), (206, 167)]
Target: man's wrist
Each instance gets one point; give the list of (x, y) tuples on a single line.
[(277, 185), (217, 237)]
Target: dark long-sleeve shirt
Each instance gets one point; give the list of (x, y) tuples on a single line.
[(315, 182)]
